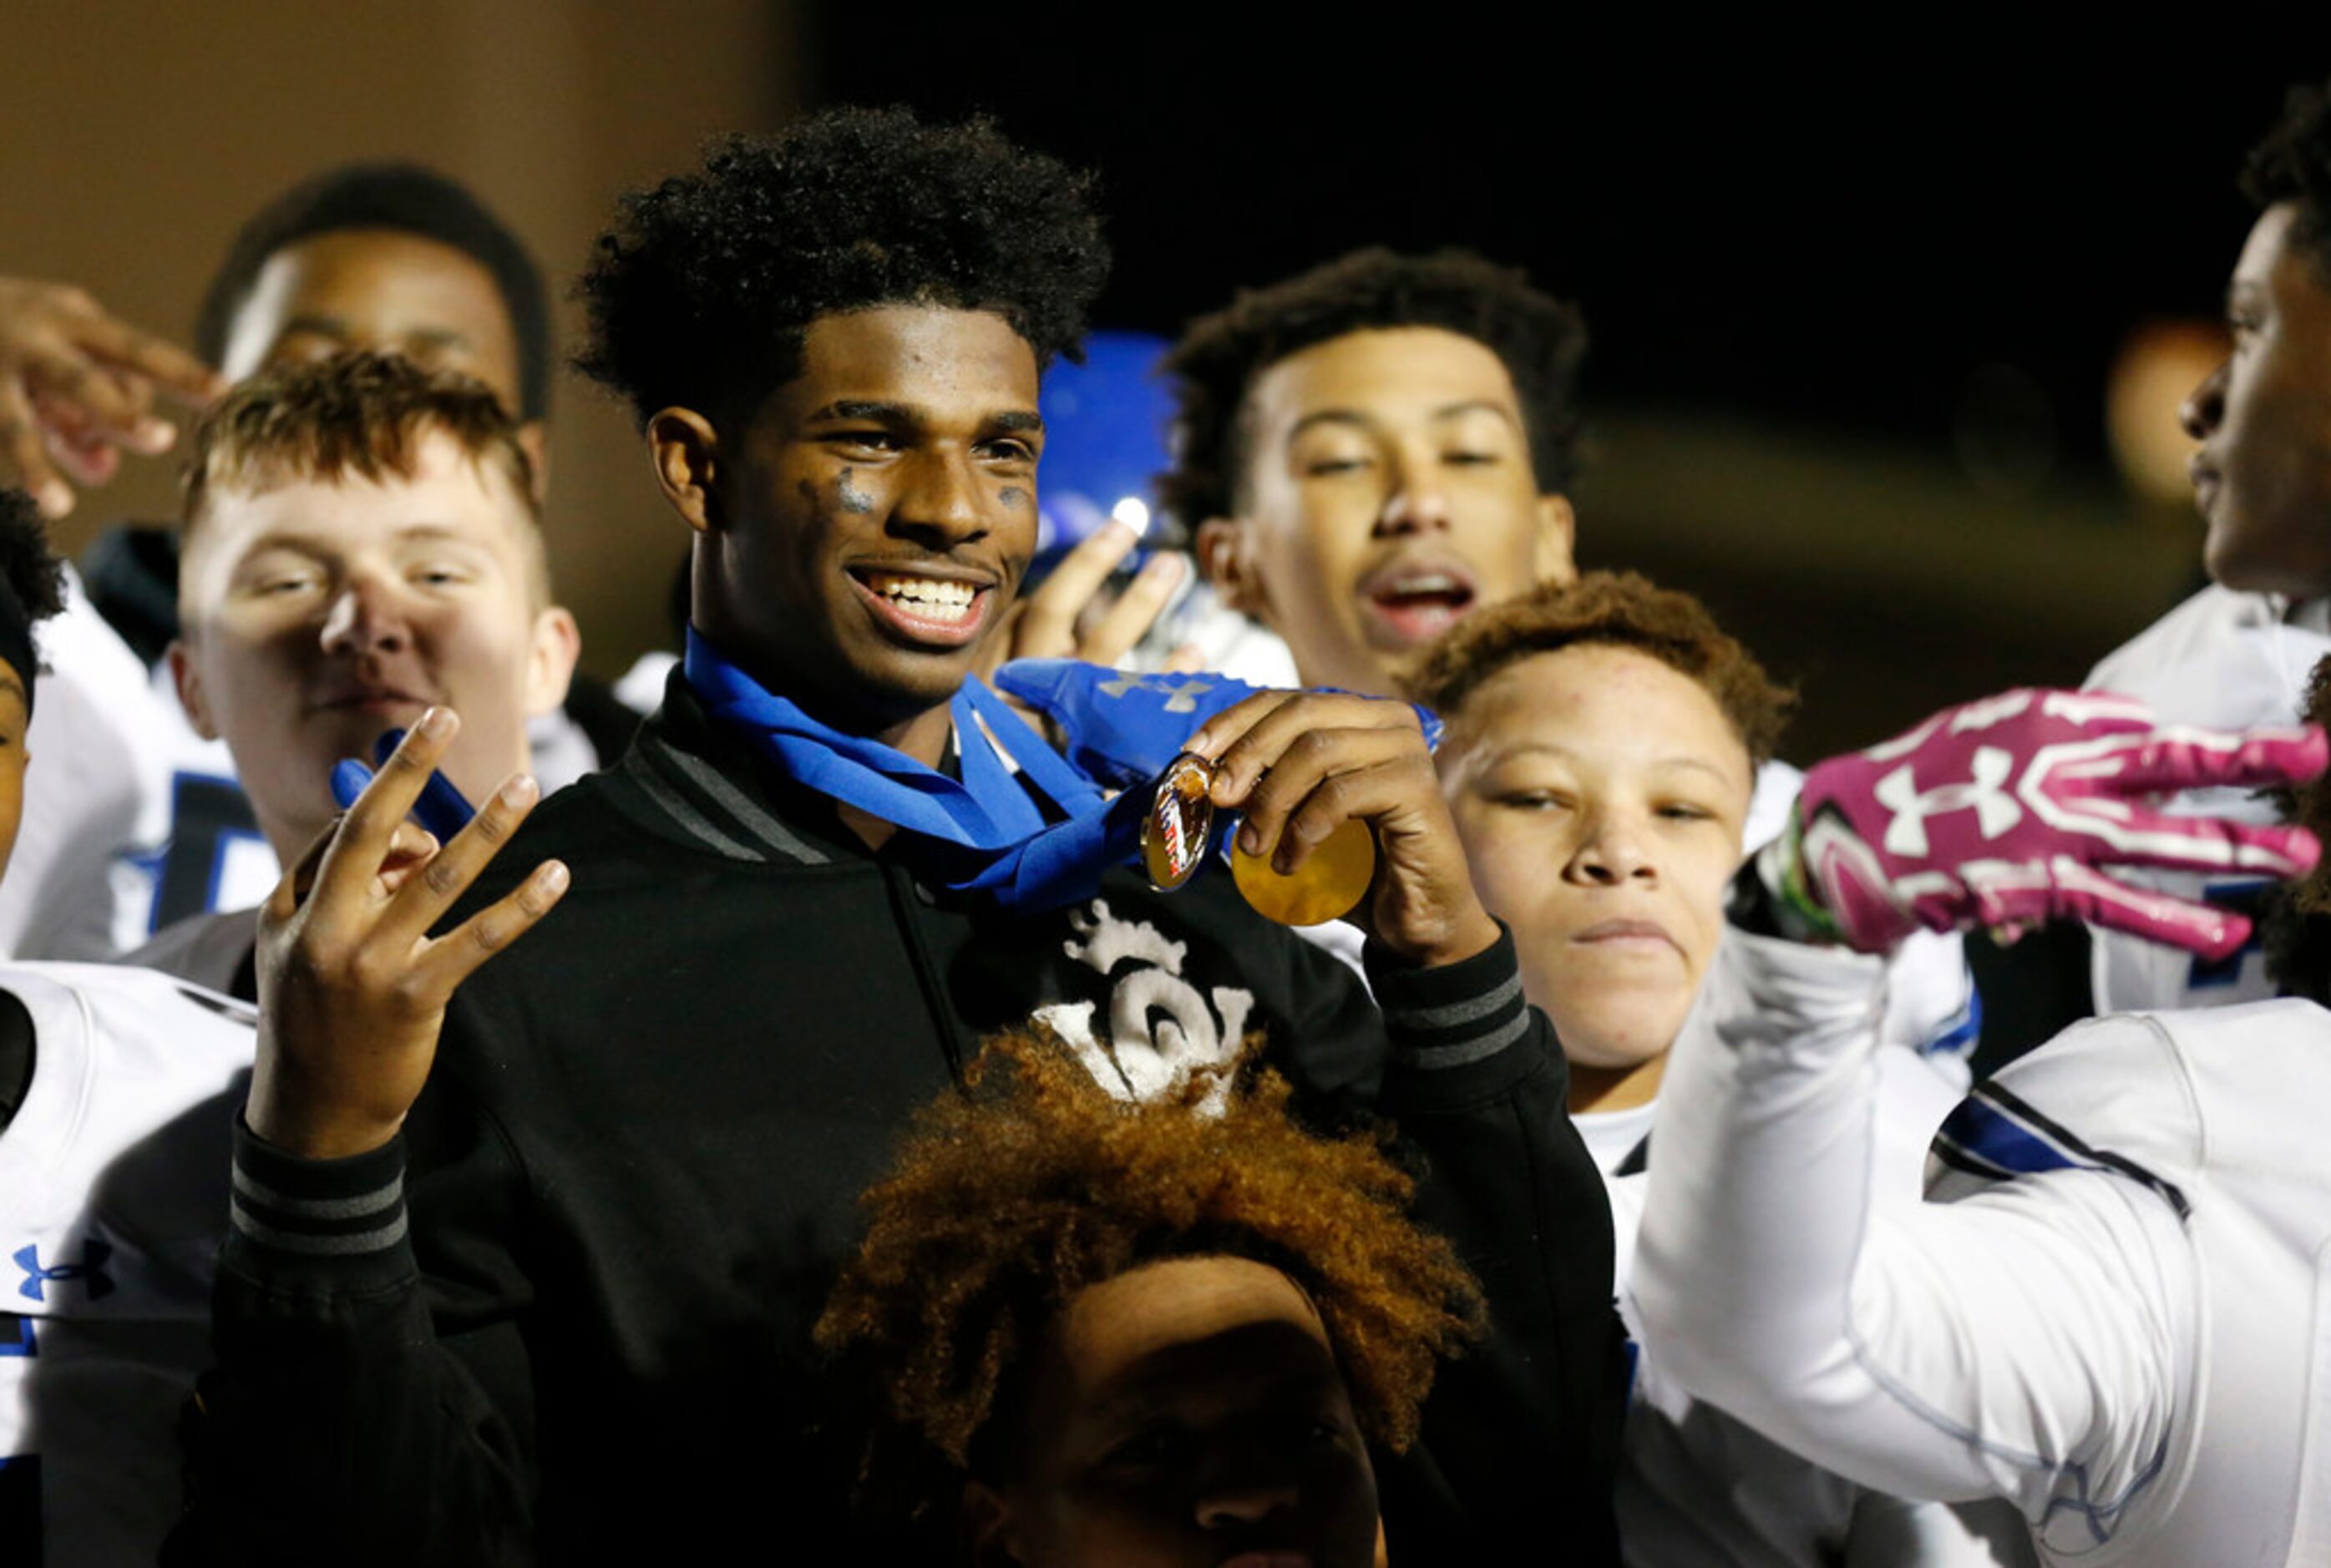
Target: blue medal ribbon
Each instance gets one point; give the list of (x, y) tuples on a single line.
[(982, 833)]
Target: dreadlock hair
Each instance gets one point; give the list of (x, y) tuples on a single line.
[(1539, 339), (1006, 1201), (2293, 164), (699, 295), (409, 199)]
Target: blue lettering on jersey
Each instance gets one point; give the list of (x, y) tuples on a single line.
[(90, 1272), (16, 1336)]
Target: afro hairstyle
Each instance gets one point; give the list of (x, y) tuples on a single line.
[(1004, 1201), (2293, 164), (33, 571), (2295, 918), (1541, 341), (1621, 609), (410, 199), (701, 292)]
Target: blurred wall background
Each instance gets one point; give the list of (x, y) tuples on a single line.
[(135, 137)]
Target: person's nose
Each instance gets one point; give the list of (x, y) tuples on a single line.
[(2205, 406), (1612, 849), (1246, 1501), (366, 616), (1419, 502), (941, 501)]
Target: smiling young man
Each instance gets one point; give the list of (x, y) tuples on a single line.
[(810, 887), (2238, 652)]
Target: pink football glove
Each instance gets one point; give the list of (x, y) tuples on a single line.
[(2007, 812)]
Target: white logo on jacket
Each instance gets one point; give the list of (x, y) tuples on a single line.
[(1160, 1031)]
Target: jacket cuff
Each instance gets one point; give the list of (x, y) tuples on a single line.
[(307, 1224), (1461, 1028)]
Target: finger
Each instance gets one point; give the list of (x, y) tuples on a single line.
[(87, 458), (23, 460), (425, 899), (2117, 833), (2100, 712), (2182, 757), (1136, 609), (2094, 899), (292, 887), (1315, 777), (1256, 751), (456, 955), (166, 365), (1186, 659), (359, 848), (120, 408), (408, 852), (1048, 624)]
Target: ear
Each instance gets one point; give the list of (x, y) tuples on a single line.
[(1557, 540), (984, 1528), (534, 439), (188, 679), (550, 663), (686, 450), (1228, 565)]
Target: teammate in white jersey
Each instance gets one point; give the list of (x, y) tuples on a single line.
[(118, 1088), (1602, 738), (2237, 653), (2112, 1314)]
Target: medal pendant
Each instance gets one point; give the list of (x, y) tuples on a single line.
[(1180, 826)]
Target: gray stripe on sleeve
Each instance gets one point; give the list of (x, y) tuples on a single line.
[(356, 1208), (773, 833), (1435, 1058), (361, 1241), (686, 816), (1452, 1014)]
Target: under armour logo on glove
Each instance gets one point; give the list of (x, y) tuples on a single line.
[(90, 1272), (2007, 812)]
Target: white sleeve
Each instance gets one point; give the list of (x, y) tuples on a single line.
[(2026, 1342)]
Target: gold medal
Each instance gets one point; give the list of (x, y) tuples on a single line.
[(1329, 884), (1180, 826)]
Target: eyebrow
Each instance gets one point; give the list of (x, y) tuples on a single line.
[(1549, 748), (1368, 420), (326, 326), (1019, 420)]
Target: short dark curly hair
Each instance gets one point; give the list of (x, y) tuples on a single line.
[(1007, 1201), (2293, 164), (410, 199), (699, 295), (33, 571), (1622, 608), (1540, 339)]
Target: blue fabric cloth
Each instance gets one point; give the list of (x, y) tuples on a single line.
[(980, 833)]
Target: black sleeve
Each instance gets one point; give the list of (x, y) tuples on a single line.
[(338, 1425), (1520, 1436)]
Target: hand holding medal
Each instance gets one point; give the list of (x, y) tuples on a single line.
[(1341, 807)]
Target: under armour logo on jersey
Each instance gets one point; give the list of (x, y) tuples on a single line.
[(1994, 809), (90, 1272), (1181, 695)]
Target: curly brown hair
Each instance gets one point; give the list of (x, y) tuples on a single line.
[(1622, 608), (1008, 1200)]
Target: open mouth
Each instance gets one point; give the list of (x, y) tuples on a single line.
[(1417, 605), (932, 610)]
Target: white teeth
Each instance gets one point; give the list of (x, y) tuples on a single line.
[(940, 601), (1430, 582)]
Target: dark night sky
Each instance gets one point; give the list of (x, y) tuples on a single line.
[(1757, 227)]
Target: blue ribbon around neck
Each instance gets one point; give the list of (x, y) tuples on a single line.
[(983, 832)]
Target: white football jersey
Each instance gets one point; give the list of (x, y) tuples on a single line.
[(113, 1196), (2224, 660)]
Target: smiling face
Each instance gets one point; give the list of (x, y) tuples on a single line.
[(2263, 477), (1187, 1411), (1386, 491), (871, 521), (1601, 795), (318, 614)]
